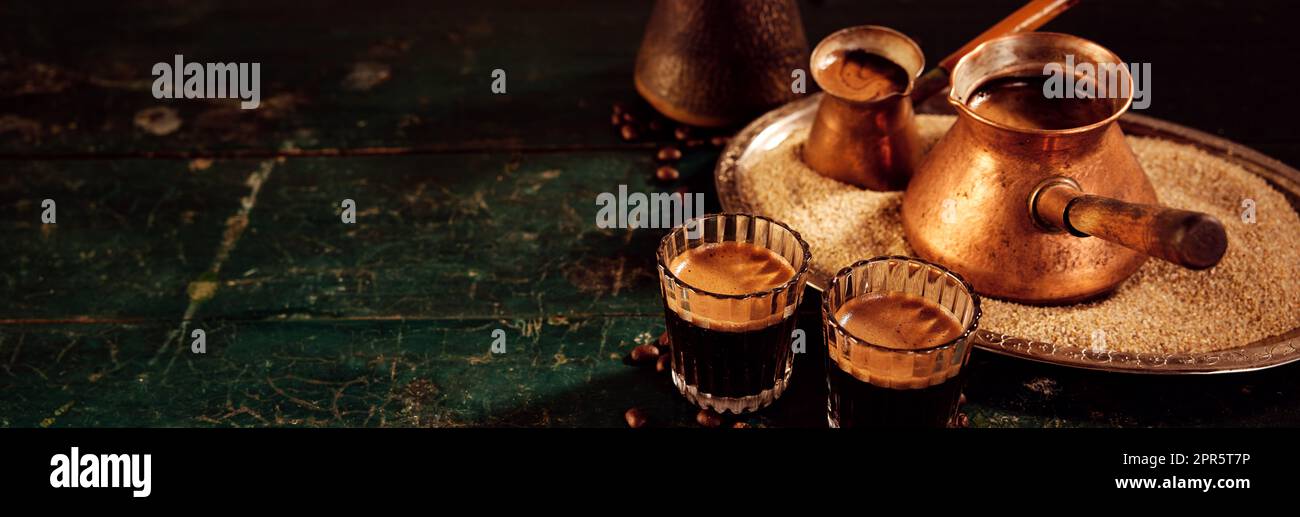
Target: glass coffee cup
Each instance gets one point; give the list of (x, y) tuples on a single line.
[(898, 336), (731, 284)]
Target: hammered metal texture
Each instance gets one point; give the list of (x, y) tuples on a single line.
[(720, 62)]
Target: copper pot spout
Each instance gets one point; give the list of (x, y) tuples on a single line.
[(1007, 207)]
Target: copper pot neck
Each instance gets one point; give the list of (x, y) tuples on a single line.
[(1027, 54), (882, 41)]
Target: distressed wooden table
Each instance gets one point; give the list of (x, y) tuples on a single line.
[(475, 212)]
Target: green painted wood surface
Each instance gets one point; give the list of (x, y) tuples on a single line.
[(558, 371), (388, 322), (476, 213)]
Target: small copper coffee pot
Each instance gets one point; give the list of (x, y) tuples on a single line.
[(869, 142), (1008, 207)]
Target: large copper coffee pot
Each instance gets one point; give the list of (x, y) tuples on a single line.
[(1011, 208)]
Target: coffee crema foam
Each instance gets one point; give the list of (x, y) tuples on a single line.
[(902, 322), (730, 268), (861, 75)]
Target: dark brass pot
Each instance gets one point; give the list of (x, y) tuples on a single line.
[(718, 63)]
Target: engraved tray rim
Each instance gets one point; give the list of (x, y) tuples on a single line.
[(1265, 353)]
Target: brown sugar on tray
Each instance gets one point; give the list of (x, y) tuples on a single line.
[(1163, 308)]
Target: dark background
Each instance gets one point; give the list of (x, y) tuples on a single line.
[(1227, 68)]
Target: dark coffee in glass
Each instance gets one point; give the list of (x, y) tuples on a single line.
[(729, 299), (897, 331)]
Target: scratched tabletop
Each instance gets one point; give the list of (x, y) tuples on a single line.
[(475, 213)]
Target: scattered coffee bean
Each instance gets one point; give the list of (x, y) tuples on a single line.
[(655, 126), (708, 418), (740, 425), (682, 133), (629, 132), (628, 117), (643, 353), (635, 418), (719, 141), (615, 119), (664, 363), (668, 154), (667, 173), (664, 340), (619, 108)]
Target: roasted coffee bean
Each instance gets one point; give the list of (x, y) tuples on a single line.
[(708, 418), (682, 133), (740, 425), (655, 125), (628, 117), (618, 108), (668, 154), (643, 353), (664, 340), (664, 363), (615, 119), (667, 173), (719, 141), (629, 132), (635, 418)]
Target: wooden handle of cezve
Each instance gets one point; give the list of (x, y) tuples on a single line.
[(1189, 239)]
